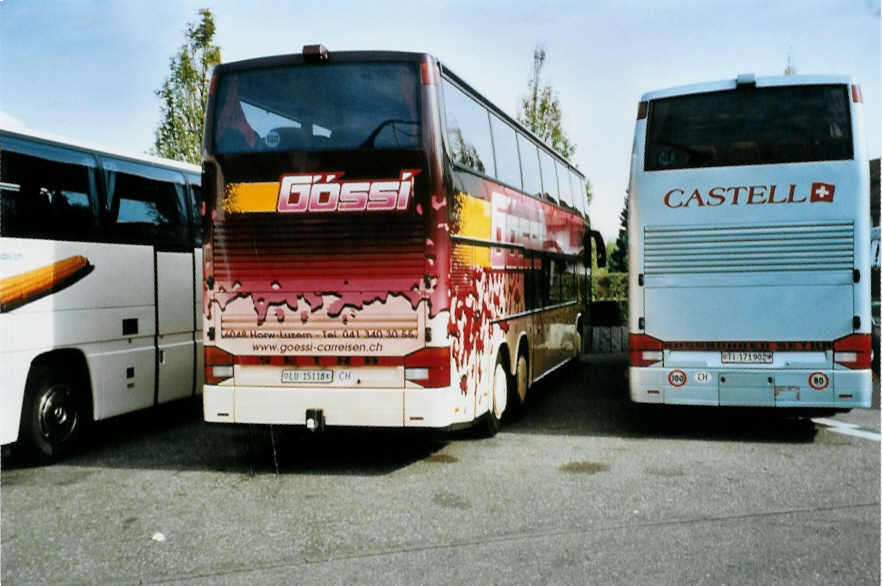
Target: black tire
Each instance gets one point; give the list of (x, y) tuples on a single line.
[(492, 420), (54, 414), (518, 386)]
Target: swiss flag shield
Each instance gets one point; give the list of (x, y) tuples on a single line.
[(822, 192)]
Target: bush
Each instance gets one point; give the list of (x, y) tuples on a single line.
[(611, 288)]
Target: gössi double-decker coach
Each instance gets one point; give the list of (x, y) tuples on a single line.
[(749, 245), (384, 246)]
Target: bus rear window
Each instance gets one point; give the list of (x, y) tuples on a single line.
[(320, 107), (752, 126)]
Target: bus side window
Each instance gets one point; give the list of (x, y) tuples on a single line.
[(560, 287), (549, 176), (195, 197), (579, 201), (563, 181), (468, 131), (47, 192), (146, 206), (568, 283), (505, 147), (529, 154), (546, 282)]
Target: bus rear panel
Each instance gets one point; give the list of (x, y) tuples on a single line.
[(318, 289), (749, 245)]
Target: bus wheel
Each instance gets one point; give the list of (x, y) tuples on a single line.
[(53, 417), (498, 399), (517, 396)]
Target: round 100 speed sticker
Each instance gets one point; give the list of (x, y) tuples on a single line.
[(677, 378)]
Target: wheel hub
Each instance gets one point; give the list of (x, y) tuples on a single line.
[(58, 414)]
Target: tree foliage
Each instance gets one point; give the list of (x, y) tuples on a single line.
[(541, 113), (618, 259), (540, 110), (184, 93)]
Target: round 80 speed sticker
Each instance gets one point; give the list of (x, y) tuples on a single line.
[(818, 381)]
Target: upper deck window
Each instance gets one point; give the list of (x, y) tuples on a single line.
[(468, 130), (343, 106), (749, 126)]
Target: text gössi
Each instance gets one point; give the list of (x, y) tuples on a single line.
[(748, 195)]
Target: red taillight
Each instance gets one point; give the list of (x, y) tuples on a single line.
[(218, 365), (856, 96), (212, 85), (855, 351), (429, 367), (644, 350), (642, 108)]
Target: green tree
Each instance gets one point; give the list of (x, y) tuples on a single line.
[(618, 260), (540, 110), (184, 93)]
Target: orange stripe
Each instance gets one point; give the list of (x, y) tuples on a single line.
[(251, 197)]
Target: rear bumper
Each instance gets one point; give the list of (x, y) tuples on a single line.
[(837, 389), (426, 408)]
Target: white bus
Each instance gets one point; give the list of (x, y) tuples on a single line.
[(749, 242), (100, 257)]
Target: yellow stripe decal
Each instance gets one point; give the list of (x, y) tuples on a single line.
[(251, 197)]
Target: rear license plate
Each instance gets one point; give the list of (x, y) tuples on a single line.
[(307, 376), (746, 357)]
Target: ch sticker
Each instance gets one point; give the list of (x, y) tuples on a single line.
[(818, 381), (677, 378), (702, 377)]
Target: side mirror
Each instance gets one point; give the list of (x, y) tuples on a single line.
[(599, 246)]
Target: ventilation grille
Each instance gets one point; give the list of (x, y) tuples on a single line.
[(749, 249), (321, 251)]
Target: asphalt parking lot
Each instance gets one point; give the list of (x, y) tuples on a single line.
[(582, 488)]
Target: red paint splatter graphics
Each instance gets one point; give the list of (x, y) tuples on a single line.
[(474, 308)]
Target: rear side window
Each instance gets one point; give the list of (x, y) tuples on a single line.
[(145, 203), (749, 126), (47, 192), (468, 131)]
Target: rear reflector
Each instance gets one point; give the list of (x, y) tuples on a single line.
[(644, 350), (218, 365), (855, 351), (429, 367)]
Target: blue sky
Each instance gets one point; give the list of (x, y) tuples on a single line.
[(86, 70)]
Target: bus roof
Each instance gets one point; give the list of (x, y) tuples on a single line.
[(63, 142), (365, 56), (729, 84)]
